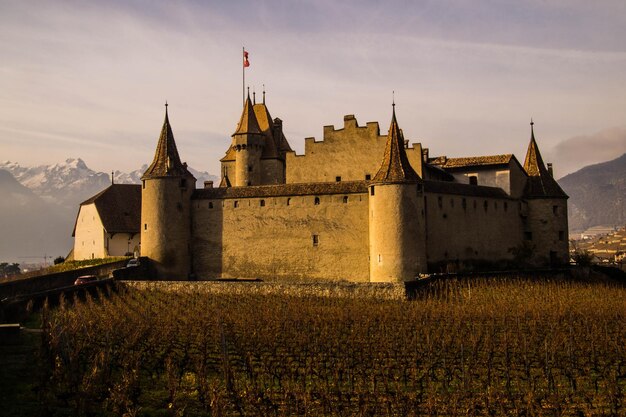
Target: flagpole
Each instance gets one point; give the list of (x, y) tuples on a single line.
[(243, 85)]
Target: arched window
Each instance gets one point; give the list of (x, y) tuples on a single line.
[(262, 203), (345, 199), (317, 201)]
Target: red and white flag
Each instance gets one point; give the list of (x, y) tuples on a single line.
[(246, 63)]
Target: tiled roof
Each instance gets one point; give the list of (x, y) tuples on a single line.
[(119, 208), (166, 161), (445, 187), (343, 187), (395, 167), (471, 161), (540, 183), (248, 124)]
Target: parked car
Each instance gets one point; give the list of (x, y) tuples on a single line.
[(85, 279), (133, 263)]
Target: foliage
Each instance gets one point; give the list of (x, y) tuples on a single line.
[(7, 269), (480, 347), (72, 265), (522, 254), (59, 260), (583, 258)]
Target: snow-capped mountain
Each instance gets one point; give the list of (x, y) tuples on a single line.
[(71, 182)]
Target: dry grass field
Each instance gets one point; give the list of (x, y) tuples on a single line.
[(532, 347)]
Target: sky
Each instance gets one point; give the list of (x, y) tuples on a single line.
[(89, 79)]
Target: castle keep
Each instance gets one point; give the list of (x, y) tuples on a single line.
[(356, 206)]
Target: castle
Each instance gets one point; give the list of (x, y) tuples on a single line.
[(357, 206)]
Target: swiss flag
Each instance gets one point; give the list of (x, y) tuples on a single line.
[(246, 63)]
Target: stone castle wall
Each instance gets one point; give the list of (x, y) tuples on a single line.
[(546, 222), (282, 232), (470, 228), (350, 153)]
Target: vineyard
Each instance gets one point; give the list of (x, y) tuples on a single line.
[(479, 347)]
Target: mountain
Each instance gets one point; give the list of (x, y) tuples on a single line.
[(39, 204), (31, 226), (597, 195)]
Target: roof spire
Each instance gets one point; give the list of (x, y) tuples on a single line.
[(248, 123), (540, 182), (253, 96), (112, 177), (166, 161), (532, 129), (395, 167), (263, 93)]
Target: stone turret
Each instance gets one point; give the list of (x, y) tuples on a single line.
[(545, 223), (167, 186), (397, 234), (248, 143)]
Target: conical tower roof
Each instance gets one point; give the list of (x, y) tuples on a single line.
[(395, 167), (166, 161), (248, 124), (540, 182)]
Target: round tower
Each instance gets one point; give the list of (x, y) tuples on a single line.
[(397, 232), (248, 143), (545, 222), (167, 187)]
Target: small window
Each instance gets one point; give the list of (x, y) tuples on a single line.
[(473, 180), (464, 204), (183, 183), (317, 201), (143, 184), (210, 204), (262, 203), (249, 183), (380, 259), (337, 179), (345, 199), (289, 201), (506, 206), (145, 226), (372, 190), (528, 235), (486, 205), (440, 202), (316, 240), (368, 177), (236, 204), (555, 210), (561, 235), (249, 168)]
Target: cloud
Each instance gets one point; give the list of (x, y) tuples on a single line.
[(577, 152)]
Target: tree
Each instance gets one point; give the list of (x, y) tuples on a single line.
[(59, 260), (7, 269)]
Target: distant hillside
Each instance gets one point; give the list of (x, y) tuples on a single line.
[(597, 195), (31, 226)]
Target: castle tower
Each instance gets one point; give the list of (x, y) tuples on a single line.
[(248, 143), (397, 234), (545, 224), (167, 186)]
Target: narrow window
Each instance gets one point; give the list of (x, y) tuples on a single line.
[(337, 179), (317, 201), (345, 199), (236, 204), (528, 235), (372, 190), (440, 202), (561, 235), (473, 180), (143, 184), (289, 201), (380, 258), (555, 210), (316, 240), (486, 205), (210, 204), (506, 206), (249, 168), (145, 226), (262, 203), (368, 177), (464, 204)]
